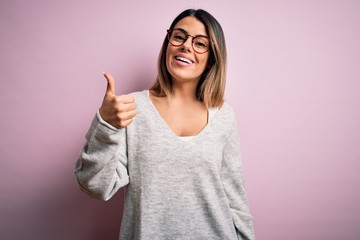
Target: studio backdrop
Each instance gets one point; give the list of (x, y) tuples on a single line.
[(293, 78)]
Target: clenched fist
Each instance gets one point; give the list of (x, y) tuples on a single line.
[(119, 111)]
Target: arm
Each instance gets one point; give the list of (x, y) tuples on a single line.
[(101, 167), (232, 178)]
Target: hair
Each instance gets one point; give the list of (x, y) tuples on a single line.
[(211, 86)]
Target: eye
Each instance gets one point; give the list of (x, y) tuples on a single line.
[(178, 36), (201, 42)]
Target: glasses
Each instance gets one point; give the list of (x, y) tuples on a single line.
[(177, 37)]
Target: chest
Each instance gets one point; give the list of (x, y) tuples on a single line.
[(183, 119), (167, 160)]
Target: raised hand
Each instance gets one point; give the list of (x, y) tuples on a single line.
[(118, 111)]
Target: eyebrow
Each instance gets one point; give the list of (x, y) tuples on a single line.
[(198, 35)]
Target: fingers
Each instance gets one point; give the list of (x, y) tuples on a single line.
[(119, 111), (125, 116), (125, 99), (125, 111), (110, 88), (126, 107), (123, 119), (126, 123)]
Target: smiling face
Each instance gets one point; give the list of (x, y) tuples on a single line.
[(182, 62)]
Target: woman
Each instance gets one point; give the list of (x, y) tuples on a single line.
[(177, 150)]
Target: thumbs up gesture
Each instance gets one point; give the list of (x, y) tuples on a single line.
[(118, 111)]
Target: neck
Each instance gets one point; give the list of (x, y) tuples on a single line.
[(186, 92)]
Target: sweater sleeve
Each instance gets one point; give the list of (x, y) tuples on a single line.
[(101, 168), (232, 178)]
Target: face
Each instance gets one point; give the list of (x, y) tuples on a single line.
[(183, 63)]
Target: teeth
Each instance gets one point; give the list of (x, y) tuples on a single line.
[(183, 59)]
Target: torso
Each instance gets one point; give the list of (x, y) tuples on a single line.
[(175, 185)]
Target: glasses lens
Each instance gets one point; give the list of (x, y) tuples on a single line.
[(201, 44), (177, 37)]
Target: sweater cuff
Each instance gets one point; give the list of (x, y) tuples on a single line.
[(103, 122)]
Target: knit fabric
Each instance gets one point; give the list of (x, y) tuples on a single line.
[(175, 189)]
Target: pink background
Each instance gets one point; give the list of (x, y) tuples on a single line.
[(293, 79)]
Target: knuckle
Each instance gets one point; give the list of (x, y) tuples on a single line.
[(126, 123), (119, 116), (117, 100), (122, 97)]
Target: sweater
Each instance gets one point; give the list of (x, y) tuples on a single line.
[(175, 189)]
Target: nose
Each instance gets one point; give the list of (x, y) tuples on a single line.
[(187, 45)]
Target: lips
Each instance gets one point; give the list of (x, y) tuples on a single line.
[(184, 59)]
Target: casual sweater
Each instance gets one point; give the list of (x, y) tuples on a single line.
[(175, 189)]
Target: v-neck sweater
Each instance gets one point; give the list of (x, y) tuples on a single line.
[(175, 189)]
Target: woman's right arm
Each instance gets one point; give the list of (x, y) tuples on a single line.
[(101, 168)]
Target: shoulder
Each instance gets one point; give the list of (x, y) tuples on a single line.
[(140, 94), (228, 118), (225, 118), (141, 97), (227, 107), (144, 107), (227, 112)]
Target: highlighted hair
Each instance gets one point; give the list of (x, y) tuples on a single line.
[(211, 86)]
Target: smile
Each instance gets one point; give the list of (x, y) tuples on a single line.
[(183, 59)]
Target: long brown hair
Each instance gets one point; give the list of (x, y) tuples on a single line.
[(211, 86)]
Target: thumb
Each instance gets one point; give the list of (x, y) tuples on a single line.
[(110, 88)]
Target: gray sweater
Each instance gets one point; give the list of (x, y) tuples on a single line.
[(175, 189)]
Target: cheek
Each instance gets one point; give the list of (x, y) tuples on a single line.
[(169, 69), (167, 58), (168, 54), (204, 60)]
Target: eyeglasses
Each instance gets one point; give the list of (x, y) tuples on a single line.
[(177, 37)]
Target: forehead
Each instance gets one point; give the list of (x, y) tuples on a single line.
[(192, 26)]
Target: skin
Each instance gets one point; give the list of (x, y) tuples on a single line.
[(182, 112), (189, 74), (119, 111)]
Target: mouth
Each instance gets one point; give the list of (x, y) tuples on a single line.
[(184, 59)]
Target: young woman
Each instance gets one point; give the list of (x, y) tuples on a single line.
[(177, 149)]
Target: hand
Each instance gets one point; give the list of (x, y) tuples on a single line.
[(118, 111)]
